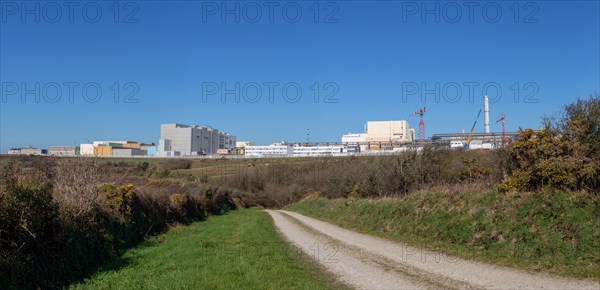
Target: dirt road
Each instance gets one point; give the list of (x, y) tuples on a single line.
[(368, 262)]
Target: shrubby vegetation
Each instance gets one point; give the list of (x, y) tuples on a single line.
[(282, 183), (564, 155), (60, 223)]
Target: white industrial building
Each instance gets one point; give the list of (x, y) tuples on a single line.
[(14, 151), (313, 151), (287, 150), (355, 139), (178, 139), (86, 149), (28, 151), (274, 150)]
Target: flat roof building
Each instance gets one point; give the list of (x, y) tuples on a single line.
[(275, 150), (63, 150), (33, 151), (308, 151), (193, 140)]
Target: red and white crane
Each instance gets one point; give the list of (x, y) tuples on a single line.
[(421, 112)]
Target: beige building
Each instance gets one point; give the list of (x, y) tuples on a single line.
[(381, 135), (387, 131), (240, 147)]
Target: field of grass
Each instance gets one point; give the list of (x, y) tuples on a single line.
[(238, 250), (552, 232)]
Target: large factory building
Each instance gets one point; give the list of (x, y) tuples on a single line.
[(178, 139), (380, 135), (386, 131)]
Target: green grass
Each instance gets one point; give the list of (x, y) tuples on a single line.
[(238, 250), (552, 232)]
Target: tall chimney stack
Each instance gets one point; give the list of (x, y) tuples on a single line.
[(486, 116)]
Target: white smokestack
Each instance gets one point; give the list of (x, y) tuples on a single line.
[(486, 116)]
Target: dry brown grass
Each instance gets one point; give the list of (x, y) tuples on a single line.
[(76, 186)]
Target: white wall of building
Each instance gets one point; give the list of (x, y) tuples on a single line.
[(353, 138), (301, 151), (86, 149), (269, 151), (194, 140)]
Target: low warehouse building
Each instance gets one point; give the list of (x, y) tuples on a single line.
[(306, 151), (63, 150), (275, 150), (128, 152), (33, 151)]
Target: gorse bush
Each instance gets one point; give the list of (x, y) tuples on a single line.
[(565, 155)]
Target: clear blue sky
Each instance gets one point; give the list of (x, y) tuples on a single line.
[(373, 52)]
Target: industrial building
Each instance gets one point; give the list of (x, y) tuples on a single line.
[(151, 149), (240, 147), (313, 151), (178, 139), (273, 150), (28, 151), (491, 140), (357, 139), (381, 135), (227, 141), (14, 151), (485, 140), (387, 131), (297, 150), (117, 149), (63, 150), (127, 152)]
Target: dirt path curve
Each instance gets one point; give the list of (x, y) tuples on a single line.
[(368, 262)]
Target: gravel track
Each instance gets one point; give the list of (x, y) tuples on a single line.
[(367, 262)]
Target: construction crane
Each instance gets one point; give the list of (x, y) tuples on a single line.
[(503, 119), (472, 128), (420, 112)]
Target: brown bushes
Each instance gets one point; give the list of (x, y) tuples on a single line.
[(60, 224), (174, 164), (75, 187), (276, 183)]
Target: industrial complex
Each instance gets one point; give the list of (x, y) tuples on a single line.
[(379, 137), (192, 140)]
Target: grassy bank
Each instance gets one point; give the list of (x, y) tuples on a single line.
[(238, 250), (554, 232)]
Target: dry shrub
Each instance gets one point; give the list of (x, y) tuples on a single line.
[(175, 164), (75, 187), (58, 226)]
